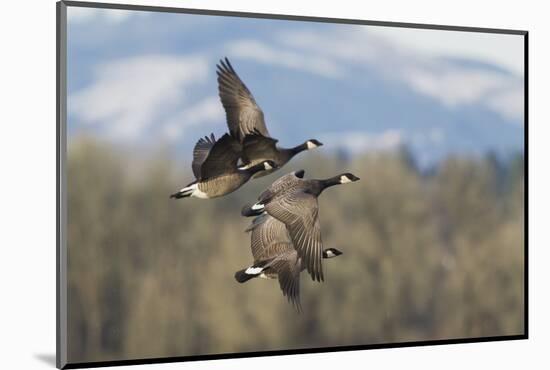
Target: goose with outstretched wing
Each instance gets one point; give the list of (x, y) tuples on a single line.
[(275, 257), (215, 168), (246, 123), (293, 201)]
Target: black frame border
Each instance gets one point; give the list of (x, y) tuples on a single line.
[(61, 214)]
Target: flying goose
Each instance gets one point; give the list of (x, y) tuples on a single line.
[(275, 257), (215, 168), (246, 123), (293, 201)]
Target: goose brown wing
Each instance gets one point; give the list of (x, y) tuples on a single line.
[(200, 152), (222, 158), (299, 212), (257, 147), (285, 183), (268, 238), (288, 272), (243, 115)]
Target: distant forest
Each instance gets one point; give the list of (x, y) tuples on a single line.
[(435, 255)]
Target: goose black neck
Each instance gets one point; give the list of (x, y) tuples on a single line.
[(297, 149), (327, 183), (254, 169)]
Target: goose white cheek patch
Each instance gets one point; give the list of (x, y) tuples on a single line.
[(344, 180), (311, 145)]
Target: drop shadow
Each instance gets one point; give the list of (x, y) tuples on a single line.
[(47, 358)]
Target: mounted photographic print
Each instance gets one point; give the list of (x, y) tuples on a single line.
[(236, 184)]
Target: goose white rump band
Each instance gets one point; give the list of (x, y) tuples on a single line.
[(245, 167), (257, 207), (195, 191), (253, 270)]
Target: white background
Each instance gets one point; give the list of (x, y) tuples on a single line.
[(27, 190)]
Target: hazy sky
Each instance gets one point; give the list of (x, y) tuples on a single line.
[(149, 77), (500, 49), (503, 50)]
